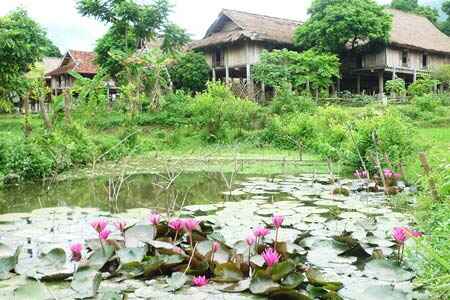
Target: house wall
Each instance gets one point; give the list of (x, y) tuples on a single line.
[(238, 55), (373, 60), (394, 59)]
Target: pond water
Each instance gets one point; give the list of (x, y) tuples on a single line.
[(316, 230)]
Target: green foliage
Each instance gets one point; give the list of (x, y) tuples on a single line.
[(287, 101), (423, 85), (337, 24), (413, 6), (396, 86), (427, 103), (220, 114), (405, 5), (50, 49), (309, 69), (190, 72), (442, 74), (21, 46)]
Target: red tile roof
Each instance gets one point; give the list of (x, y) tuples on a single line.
[(82, 62)]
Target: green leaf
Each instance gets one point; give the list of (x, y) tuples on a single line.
[(293, 280), (99, 258), (288, 295), (132, 269), (176, 281), (282, 269), (386, 270), (127, 255), (31, 290), (86, 282), (152, 264), (262, 283), (228, 272), (316, 278), (237, 287), (8, 260)]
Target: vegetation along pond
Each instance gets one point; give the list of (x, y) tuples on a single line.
[(203, 236)]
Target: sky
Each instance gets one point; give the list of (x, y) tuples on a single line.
[(69, 30)]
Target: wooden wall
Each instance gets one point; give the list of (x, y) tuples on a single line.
[(394, 59), (239, 54)]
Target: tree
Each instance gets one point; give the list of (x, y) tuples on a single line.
[(133, 26), (300, 71), (446, 24), (50, 49), (190, 72), (337, 25), (413, 6), (21, 46)]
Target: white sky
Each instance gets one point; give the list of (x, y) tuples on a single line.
[(69, 30)]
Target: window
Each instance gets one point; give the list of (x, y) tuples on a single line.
[(218, 58), (405, 57), (424, 61)]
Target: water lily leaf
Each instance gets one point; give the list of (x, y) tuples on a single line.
[(197, 267), (204, 249), (288, 295), (172, 260), (386, 270), (47, 266), (8, 260), (176, 281), (356, 251), (111, 295), (137, 235), (293, 280), (132, 269), (262, 283), (382, 292), (237, 287), (282, 269), (99, 258), (85, 282), (161, 245), (228, 272), (315, 277), (31, 290), (152, 264), (127, 255), (257, 260)]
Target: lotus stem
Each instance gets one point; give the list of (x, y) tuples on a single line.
[(176, 236), (276, 239), (190, 259), (103, 248)]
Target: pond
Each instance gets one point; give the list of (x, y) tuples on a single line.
[(347, 238)]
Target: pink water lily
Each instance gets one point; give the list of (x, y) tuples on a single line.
[(75, 250), (388, 173), (121, 226), (416, 234), (250, 240), (154, 219), (277, 220), (176, 224), (261, 232), (104, 234), (361, 174), (191, 225), (99, 225), (200, 281), (271, 257), (400, 234), (215, 247)]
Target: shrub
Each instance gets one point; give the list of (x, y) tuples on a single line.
[(427, 103), (396, 86), (423, 85), (287, 101), (217, 110), (190, 73)]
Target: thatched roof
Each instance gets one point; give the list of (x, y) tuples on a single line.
[(50, 63), (417, 32), (408, 30), (248, 27), (82, 62)]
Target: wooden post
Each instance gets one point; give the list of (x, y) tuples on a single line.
[(394, 73), (381, 84), (426, 167), (358, 84), (227, 74), (250, 88), (263, 92), (214, 74)]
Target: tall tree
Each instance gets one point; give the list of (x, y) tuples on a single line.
[(133, 25), (413, 6), (337, 25), (446, 24), (21, 45), (50, 49), (405, 5)]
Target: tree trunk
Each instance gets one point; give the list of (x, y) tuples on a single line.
[(44, 113), (26, 110)]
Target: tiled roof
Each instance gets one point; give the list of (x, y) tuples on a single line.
[(82, 62)]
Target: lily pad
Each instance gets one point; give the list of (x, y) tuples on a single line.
[(386, 270), (316, 278), (293, 280), (127, 255), (31, 290), (86, 282), (100, 257), (137, 235), (237, 287), (48, 266), (282, 269), (176, 281), (288, 295), (228, 272), (8, 260), (262, 284)]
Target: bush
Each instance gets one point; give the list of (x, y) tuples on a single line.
[(286, 101), (190, 73), (217, 111), (396, 86), (427, 103), (423, 86)]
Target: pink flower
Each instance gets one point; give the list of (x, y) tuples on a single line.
[(397, 176), (121, 226), (261, 232), (199, 281), (416, 234), (360, 174), (104, 234), (388, 173), (277, 221), (176, 224), (250, 240), (154, 219), (99, 225), (271, 257), (400, 234), (191, 224), (215, 247), (76, 251)]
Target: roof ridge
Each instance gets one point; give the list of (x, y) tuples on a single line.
[(260, 15)]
